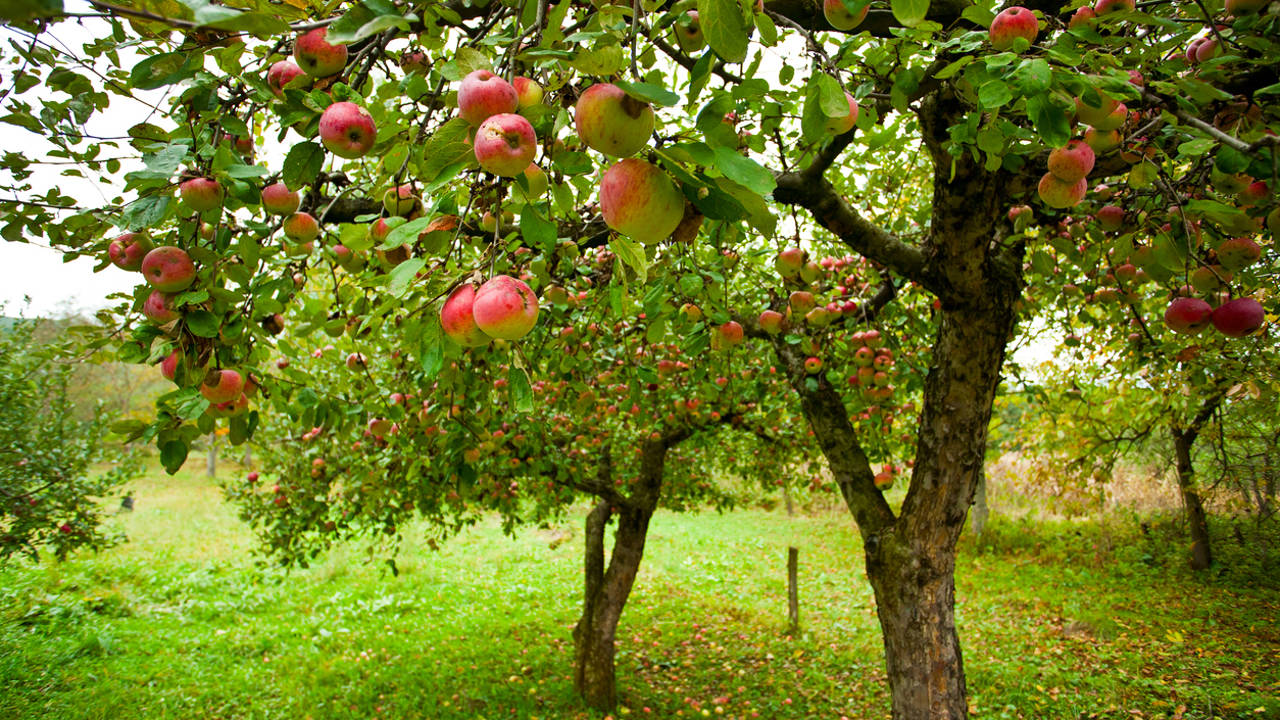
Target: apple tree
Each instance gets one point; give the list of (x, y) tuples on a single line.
[(341, 194)]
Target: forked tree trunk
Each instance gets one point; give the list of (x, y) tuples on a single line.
[(1197, 522)]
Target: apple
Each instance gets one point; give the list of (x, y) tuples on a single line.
[(640, 201), (1110, 217), (1102, 7), (1187, 315), (813, 365), (1094, 114), (1254, 193), (689, 33), (842, 125), (1010, 25), (1239, 317), (801, 302), (414, 61), (505, 144), (1209, 279), (691, 312), (230, 408), (528, 92), (221, 386), (839, 17), (1246, 7), (1238, 253), (273, 324), (278, 199), (127, 250), (771, 322), (536, 179), (1071, 163), (1102, 141), (1083, 17), (169, 366), (280, 74), (1202, 49), (789, 262), (301, 227), (168, 269), (457, 320), (201, 194), (316, 56), (483, 95), (726, 336), (347, 130), (158, 308), (883, 480), (401, 201), (612, 122), (505, 308), (1058, 194)]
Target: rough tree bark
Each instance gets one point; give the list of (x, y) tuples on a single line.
[(978, 518), (1184, 439), (606, 588)]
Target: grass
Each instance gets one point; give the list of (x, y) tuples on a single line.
[(1060, 620)]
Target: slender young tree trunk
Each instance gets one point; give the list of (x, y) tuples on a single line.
[(211, 462), (1197, 522), (978, 516)]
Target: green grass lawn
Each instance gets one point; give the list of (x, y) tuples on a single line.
[(1057, 621)]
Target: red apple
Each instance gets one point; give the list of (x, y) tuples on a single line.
[(771, 322), (813, 365), (221, 386), (401, 201), (127, 250), (689, 33), (169, 269), (1071, 163), (316, 56), (1082, 18), (1096, 114), (727, 336), (1011, 24), (278, 199), (505, 308), (801, 301), (640, 201), (158, 308), (612, 122), (1102, 141), (1245, 7), (839, 17), (1102, 7), (1239, 317), (457, 320), (301, 227), (1238, 253), (347, 130), (483, 95), (1058, 194), (505, 144), (528, 92), (280, 74), (201, 194), (845, 123), (789, 262), (1187, 315), (1110, 217), (169, 366)]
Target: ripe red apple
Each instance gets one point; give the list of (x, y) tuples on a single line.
[(1254, 193), (1238, 253), (169, 366), (1011, 24), (1058, 194), (528, 92), (201, 194), (316, 56), (505, 144), (640, 201), (612, 122), (221, 386), (1187, 315), (801, 301), (689, 33), (278, 199), (169, 269), (813, 365), (1102, 7), (1239, 317), (457, 320), (1082, 18), (1245, 7), (483, 95), (839, 17), (789, 262), (301, 227), (505, 308), (771, 322), (1110, 217), (280, 74), (843, 124), (726, 336), (1102, 141), (347, 130), (401, 201), (1071, 163), (127, 250), (158, 308)]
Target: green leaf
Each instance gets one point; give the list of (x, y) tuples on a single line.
[(519, 389), (172, 455), (1230, 219), (744, 170), (601, 62), (202, 323), (537, 231), (631, 253), (909, 12), (403, 274), (724, 28), (768, 30), (1051, 121), (994, 94), (146, 212), (700, 74), (432, 346), (302, 165), (831, 99), (165, 69), (365, 20), (649, 92), (405, 234)]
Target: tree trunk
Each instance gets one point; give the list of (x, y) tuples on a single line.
[(1197, 523), (786, 498), (211, 462), (978, 516)]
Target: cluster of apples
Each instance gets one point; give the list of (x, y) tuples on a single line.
[(346, 129), (504, 143), (795, 267), (1233, 317), (503, 308)]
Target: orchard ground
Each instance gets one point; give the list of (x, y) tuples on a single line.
[(1060, 620)]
